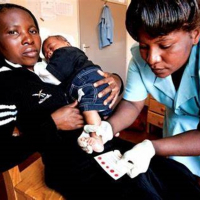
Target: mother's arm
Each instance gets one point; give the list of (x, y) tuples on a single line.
[(42, 125), (68, 117)]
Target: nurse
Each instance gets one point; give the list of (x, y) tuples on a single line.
[(165, 63)]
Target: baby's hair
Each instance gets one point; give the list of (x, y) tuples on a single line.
[(8, 6), (160, 17), (59, 37)]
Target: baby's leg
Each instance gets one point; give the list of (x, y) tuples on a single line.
[(83, 142), (95, 142), (83, 139)]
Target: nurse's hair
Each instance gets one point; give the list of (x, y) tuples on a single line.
[(160, 17), (9, 6)]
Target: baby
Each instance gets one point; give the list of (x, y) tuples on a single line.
[(70, 67)]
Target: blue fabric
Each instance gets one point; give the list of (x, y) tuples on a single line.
[(82, 89), (106, 26)]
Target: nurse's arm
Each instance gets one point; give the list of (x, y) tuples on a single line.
[(125, 114), (185, 144)]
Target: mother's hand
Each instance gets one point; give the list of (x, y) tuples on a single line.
[(68, 117), (115, 84)]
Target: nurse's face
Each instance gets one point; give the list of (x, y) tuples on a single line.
[(19, 37), (166, 54)]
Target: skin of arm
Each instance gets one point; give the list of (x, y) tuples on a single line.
[(68, 117), (114, 83), (126, 110), (179, 145)]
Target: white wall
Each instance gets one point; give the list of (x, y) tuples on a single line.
[(55, 16), (68, 24)]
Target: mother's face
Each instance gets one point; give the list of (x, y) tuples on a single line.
[(166, 54), (20, 41)]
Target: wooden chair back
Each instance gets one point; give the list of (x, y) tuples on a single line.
[(28, 184)]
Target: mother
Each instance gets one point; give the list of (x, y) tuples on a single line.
[(24, 97), (33, 106)]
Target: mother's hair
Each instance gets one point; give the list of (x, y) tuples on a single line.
[(160, 17), (7, 6)]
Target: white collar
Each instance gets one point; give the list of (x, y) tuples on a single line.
[(12, 64)]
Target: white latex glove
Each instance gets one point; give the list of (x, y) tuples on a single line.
[(140, 156), (104, 130)]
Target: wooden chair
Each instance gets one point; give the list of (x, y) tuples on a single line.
[(28, 184)]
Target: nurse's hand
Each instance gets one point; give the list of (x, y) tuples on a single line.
[(140, 156), (115, 84), (68, 117)]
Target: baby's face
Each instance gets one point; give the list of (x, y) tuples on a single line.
[(51, 44)]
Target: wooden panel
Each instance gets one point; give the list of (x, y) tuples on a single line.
[(155, 119), (156, 107), (33, 185), (12, 178)]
